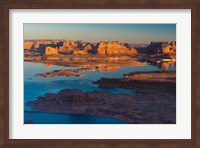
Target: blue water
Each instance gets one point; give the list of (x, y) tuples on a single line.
[(38, 86), (41, 118)]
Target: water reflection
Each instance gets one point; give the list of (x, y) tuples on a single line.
[(165, 66), (48, 65), (38, 86), (48, 118)]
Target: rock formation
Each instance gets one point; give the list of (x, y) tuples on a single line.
[(81, 47), (69, 46), (159, 76), (40, 45), (86, 50), (161, 48), (113, 47), (152, 82), (145, 108), (28, 45), (67, 72), (51, 51), (103, 48), (84, 97)]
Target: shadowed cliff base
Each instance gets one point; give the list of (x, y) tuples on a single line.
[(143, 82)]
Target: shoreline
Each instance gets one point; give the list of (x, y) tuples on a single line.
[(101, 63), (146, 106)]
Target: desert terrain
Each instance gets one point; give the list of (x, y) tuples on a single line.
[(154, 97)]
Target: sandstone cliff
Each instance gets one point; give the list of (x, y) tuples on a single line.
[(113, 47), (41, 44), (161, 47), (28, 45), (69, 46), (50, 50), (80, 47), (86, 50)]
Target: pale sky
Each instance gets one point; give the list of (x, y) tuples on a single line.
[(129, 33)]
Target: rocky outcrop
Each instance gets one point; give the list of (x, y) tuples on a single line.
[(69, 46), (84, 97), (152, 82), (68, 72), (51, 51), (113, 48), (40, 45), (100, 62), (86, 50), (161, 48), (81, 47), (157, 76), (88, 47), (169, 48), (28, 45), (152, 108)]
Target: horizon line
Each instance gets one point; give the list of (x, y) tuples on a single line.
[(100, 41)]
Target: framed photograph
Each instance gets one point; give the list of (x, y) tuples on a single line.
[(100, 73)]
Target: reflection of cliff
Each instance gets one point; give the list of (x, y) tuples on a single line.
[(164, 66), (107, 67), (48, 65), (104, 64), (110, 63), (100, 63)]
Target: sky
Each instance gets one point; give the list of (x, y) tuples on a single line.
[(129, 33)]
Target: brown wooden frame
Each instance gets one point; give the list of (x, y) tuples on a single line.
[(5, 5)]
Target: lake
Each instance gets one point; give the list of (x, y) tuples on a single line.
[(38, 86)]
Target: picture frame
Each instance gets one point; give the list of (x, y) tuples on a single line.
[(6, 5)]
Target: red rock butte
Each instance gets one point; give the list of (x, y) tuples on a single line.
[(51, 51), (162, 47), (113, 47), (80, 47)]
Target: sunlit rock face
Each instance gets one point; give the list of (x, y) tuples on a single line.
[(162, 47), (86, 50), (81, 47), (51, 51), (113, 47), (88, 47), (41, 44), (71, 45), (28, 45)]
